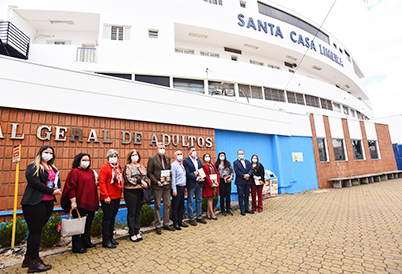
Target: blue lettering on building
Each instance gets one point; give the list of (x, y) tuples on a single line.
[(326, 52), (260, 26), (305, 41)]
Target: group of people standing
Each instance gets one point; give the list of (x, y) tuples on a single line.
[(80, 193)]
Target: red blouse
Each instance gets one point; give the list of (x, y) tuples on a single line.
[(207, 188), (106, 188)]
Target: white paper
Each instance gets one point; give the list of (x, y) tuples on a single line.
[(201, 173), (213, 177), (165, 173), (257, 180)]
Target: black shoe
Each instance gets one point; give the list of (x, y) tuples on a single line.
[(224, 213), (91, 246), (37, 265), (26, 261), (249, 211), (158, 230), (182, 224), (243, 213), (169, 227), (113, 241), (177, 227), (230, 213), (108, 245), (82, 250)]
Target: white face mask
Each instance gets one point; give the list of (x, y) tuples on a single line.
[(134, 158), (161, 151), (207, 159), (254, 160), (84, 164), (47, 157), (113, 160), (222, 158), (194, 154), (179, 158)]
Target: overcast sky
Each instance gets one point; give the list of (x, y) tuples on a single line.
[(369, 30)]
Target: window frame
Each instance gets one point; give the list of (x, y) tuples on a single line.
[(377, 150), (345, 155), (324, 149), (361, 148)]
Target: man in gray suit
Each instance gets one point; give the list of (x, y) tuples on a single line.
[(161, 186)]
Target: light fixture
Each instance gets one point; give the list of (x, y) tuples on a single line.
[(203, 36), (61, 22), (291, 57), (316, 67), (250, 46)]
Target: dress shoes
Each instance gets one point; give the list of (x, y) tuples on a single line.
[(224, 213), (177, 227), (158, 230), (91, 246), (243, 213), (192, 222), (249, 211), (169, 227), (230, 213), (109, 245), (82, 250), (26, 261), (113, 241), (201, 221), (182, 224), (37, 265)]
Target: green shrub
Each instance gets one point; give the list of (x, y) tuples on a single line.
[(147, 215), (119, 224), (204, 203), (21, 230), (51, 231), (96, 227)]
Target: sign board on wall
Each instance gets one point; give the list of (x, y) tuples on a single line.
[(297, 156)]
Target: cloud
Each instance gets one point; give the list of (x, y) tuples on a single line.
[(370, 4)]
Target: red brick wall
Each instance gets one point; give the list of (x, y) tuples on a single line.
[(333, 169), (29, 121)]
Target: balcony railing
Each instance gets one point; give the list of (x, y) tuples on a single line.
[(86, 55), (13, 42)]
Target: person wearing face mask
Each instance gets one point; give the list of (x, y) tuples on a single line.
[(194, 184), (225, 186), (110, 183), (259, 177), (37, 204), (161, 186), (178, 189), (135, 179), (80, 192), (211, 186), (243, 170)]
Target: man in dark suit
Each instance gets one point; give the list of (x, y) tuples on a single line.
[(243, 170), (156, 164), (194, 186)]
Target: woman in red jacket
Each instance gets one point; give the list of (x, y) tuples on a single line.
[(81, 192), (110, 184), (211, 185)]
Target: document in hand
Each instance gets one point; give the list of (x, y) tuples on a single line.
[(257, 181), (201, 173)]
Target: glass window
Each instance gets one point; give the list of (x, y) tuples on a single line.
[(373, 149), (256, 63), (256, 92), (209, 54), (337, 107), (357, 149), (117, 33), (322, 150), (352, 112), (244, 91), (290, 19), (152, 79), (186, 51), (189, 84), (312, 101), (274, 94), (326, 104), (214, 88), (339, 149), (295, 98), (346, 110)]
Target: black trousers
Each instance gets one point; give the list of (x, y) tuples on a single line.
[(133, 198), (84, 240), (109, 215), (178, 206), (36, 217), (225, 189)]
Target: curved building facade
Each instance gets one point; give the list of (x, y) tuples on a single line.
[(218, 74)]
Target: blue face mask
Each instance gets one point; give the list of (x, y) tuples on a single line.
[(241, 156), (180, 157)]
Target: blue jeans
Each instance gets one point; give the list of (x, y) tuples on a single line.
[(244, 193), (198, 202)]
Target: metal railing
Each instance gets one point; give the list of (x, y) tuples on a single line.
[(86, 55), (16, 42)]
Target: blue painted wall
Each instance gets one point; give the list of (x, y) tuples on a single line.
[(275, 154)]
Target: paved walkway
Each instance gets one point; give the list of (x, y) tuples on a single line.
[(349, 230)]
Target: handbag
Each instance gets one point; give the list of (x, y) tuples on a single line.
[(72, 227), (148, 195)]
